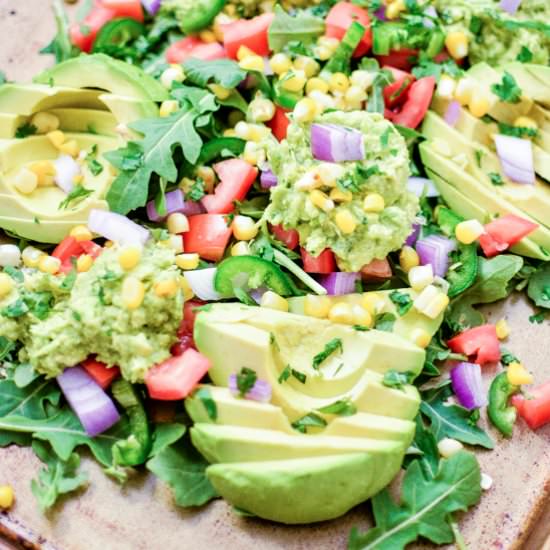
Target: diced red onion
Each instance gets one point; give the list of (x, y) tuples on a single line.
[(452, 113), (339, 283), (175, 202), (434, 250), (413, 237), (380, 13), (66, 168), (117, 227), (268, 179), (152, 6), (94, 408), (516, 158), (510, 6), (468, 385), (335, 143), (201, 282), (260, 391), (422, 187)]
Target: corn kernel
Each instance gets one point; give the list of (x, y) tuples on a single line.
[(254, 153), (479, 105), (421, 337), (31, 256), (49, 264), (338, 82), (252, 63), (10, 255), (240, 248), (25, 181), (70, 148), (171, 75), (258, 132), (108, 244), (78, 179), (166, 289), (280, 63), (341, 313), (307, 64), (293, 81), (133, 292), (517, 374), (394, 9), (486, 481), (244, 228), (502, 329), (208, 36), (323, 101), (6, 284), (446, 87), (448, 447), (7, 497), (45, 122), (187, 261), (420, 277), (84, 263), (322, 52), (361, 316), (345, 221), (526, 122), (408, 258), (320, 200), (431, 302), (305, 110), (57, 138), (362, 79), (355, 95), (168, 107), (242, 130), (468, 231), (219, 91), (81, 233), (337, 195), (261, 110), (188, 293), (456, 43), (243, 52), (317, 306), (317, 84), (272, 300), (129, 257), (328, 42), (177, 223), (174, 242), (220, 20), (208, 176), (330, 173), (230, 132), (373, 202), (464, 90)]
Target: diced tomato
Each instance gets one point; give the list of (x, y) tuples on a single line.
[(236, 178), (68, 248), (177, 377), (279, 123), (324, 263), (251, 33), (339, 19), (83, 34), (289, 237), (504, 232), (490, 246), (190, 46), (480, 343), (396, 93), (99, 371), (188, 323), (184, 343), (376, 270), (124, 8), (534, 409), (91, 248), (417, 104), (400, 59), (208, 236)]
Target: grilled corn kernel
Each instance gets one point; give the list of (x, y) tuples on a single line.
[(261, 110), (129, 257), (272, 300), (373, 302), (526, 122), (517, 374), (188, 293), (168, 107), (254, 153), (10, 255), (362, 79), (84, 263), (166, 289), (446, 87), (305, 110), (293, 81), (208, 36), (337, 195), (31, 256), (345, 221), (320, 200), (81, 233), (317, 84), (307, 64), (44, 122), (479, 105), (464, 90), (448, 447), (25, 181), (240, 249), (187, 261), (317, 306), (6, 284), (243, 52), (252, 63), (171, 75), (373, 202), (7, 497), (244, 228), (341, 313), (133, 292), (219, 91), (503, 329), (57, 138), (310, 180), (421, 276), (408, 258), (421, 337), (280, 63), (456, 43), (468, 231), (361, 316), (70, 148), (338, 82), (394, 9), (355, 95), (177, 223), (49, 264)]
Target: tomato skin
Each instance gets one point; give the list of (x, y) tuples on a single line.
[(68, 248), (236, 178), (339, 19), (279, 123), (417, 104), (400, 59), (289, 237), (396, 93), (99, 371), (176, 377), (91, 248), (208, 236), (504, 232), (324, 263), (251, 33), (376, 270), (183, 49), (481, 342), (535, 411), (188, 323), (91, 25), (124, 8)]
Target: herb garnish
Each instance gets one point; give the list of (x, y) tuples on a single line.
[(196, 192), (396, 379), (342, 407), (402, 301), (25, 130), (384, 321), (246, 379), (331, 347), (288, 371), (507, 90), (309, 420), (94, 165), (496, 179), (517, 131), (525, 55), (77, 195), (208, 402)]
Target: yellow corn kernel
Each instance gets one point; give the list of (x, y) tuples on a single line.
[(25, 181), (219, 91), (261, 109), (57, 138), (517, 374), (362, 79), (31, 256), (408, 258), (355, 95), (317, 306), (81, 233), (208, 36), (373, 202), (328, 42), (6, 284), (272, 300), (464, 90), (305, 110), (166, 289), (7, 497), (468, 231), (456, 43), (244, 228), (526, 122), (345, 221), (448, 447), (323, 101), (361, 316), (240, 249), (172, 74), (84, 263), (187, 261), (421, 338), (133, 292), (70, 148), (108, 244), (168, 107), (188, 293), (437, 306), (373, 302), (49, 264), (420, 277), (175, 242), (337, 195), (446, 87), (253, 154), (330, 173), (394, 9), (320, 200), (280, 63), (242, 130), (503, 329), (310, 180), (42, 168), (479, 105), (307, 64), (252, 63), (341, 313), (317, 84), (177, 223), (208, 176), (293, 81), (229, 133), (258, 132), (338, 82), (243, 52), (322, 52), (129, 257), (45, 122)]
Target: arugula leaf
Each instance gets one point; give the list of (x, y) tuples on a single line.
[(25, 130), (309, 420), (539, 286), (224, 72), (76, 196), (61, 46), (304, 27), (126, 158), (402, 301), (507, 90), (29, 401), (205, 397), (424, 507), (246, 378), (165, 435), (342, 407), (425, 442), (6, 347), (331, 347), (396, 379), (385, 322)]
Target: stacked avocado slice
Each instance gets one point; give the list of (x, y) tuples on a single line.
[(462, 161), (259, 461), (90, 96)]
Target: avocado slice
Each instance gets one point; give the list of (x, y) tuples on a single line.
[(9, 124), (531, 80), (106, 73), (304, 490), (127, 109), (542, 73), (91, 121)]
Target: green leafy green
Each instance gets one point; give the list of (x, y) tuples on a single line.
[(331, 347), (402, 301), (539, 286), (6, 347), (165, 435), (426, 444), (428, 67), (309, 420), (61, 46), (224, 72), (342, 407), (14, 273), (285, 28), (396, 379), (246, 378), (205, 397), (507, 90)]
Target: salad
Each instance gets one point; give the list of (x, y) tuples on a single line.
[(246, 244)]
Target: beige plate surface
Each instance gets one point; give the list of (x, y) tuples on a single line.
[(141, 516)]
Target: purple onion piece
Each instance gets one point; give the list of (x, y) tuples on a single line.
[(260, 391), (413, 237), (468, 385), (339, 283), (510, 6), (175, 202), (117, 227), (268, 179), (435, 250), (333, 143), (152, 6), (380, 13), (516, 158), (452, 113), (422, 187)]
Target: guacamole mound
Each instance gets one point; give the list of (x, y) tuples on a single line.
[(496, 36), (385, 171), (61, 326)]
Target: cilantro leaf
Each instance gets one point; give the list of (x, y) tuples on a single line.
[(205, 397), (288, 371), (14, 273), (342, 407), (396, 379), (402, 301), (507, 90), (196, 192), (427, 67), (517, 131), (309, 420), (384, 321), (25, 130), (94, 165), (76, 196), (331, 347), (246, 378), (126, 158), (525, 55), (496, 179), (224, 72), (304, 27)]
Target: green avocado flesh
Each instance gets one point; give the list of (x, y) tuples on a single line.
[(260, 461)]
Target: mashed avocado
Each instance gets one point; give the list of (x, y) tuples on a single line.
[(61, 326), (384, 171), (497, 37)]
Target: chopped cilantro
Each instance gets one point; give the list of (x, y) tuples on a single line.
[(385, 137), (205, 307), (273, 341), (496, 179), (342, 407), (288, 372), (76, 316), (396, 379), (309, 420), (427, 67), (479, 156), (38, 304), (525, 55), (208, 402), (70, 278), (196, 192), (246, 379), (360, 328), (14, 273), (94, 165), (402, 301), (517, 131), (15, 309), (25, 130), (384, 321), (77, 195), (507, 90), (331, 347), (475, 24)]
